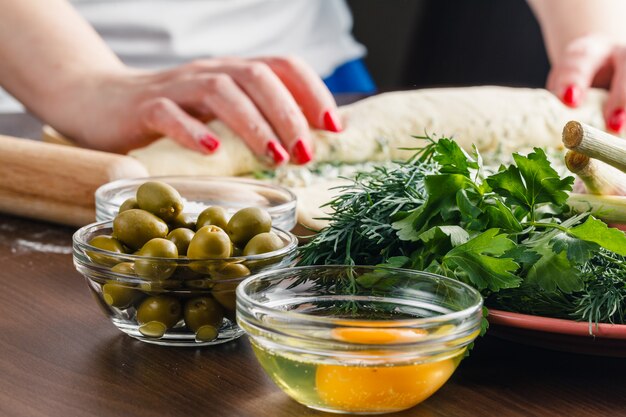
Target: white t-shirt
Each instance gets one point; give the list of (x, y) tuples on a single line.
[(163, 33)]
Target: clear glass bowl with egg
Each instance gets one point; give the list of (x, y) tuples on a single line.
[(200, 192), (364, 340), (171, 301)]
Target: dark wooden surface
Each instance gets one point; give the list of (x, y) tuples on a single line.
[(60, 356)]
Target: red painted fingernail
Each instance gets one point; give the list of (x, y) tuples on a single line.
[(278, 154), (332, 122), (571, 96), (209, 142), (617, 120), (301, 152)]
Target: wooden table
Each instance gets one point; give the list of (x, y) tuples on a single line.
[(60, 356)]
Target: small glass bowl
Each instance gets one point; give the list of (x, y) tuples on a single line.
[(173, 286), (364, 340), (200, 192)]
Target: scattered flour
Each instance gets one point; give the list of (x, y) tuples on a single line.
[(22, 245)]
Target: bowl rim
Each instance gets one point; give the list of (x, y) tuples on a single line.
[(81, 245), (112, 185), (242, 297)]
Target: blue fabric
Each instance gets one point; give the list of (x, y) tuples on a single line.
[(351, 77)]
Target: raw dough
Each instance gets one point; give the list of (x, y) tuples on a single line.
[(375, 128), (493, 118)]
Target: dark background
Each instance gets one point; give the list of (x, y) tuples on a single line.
[(422, 43)]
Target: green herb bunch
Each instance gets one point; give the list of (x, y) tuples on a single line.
[(508, 233)]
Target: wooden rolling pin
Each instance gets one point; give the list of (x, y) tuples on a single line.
[(55, 182)]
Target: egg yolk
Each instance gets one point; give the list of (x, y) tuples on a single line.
[(383, 336), (380, 388)]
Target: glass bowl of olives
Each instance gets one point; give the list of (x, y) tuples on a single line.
[(167, 281), (199, 192), (358, 339)]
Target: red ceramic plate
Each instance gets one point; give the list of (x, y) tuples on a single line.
[(559, 334)]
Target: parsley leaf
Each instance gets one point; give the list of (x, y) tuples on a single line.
[(531, 181), (478, 257), (594, 230), (553, 270)]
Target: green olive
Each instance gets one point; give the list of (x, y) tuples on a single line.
[(160, 199), (135, 227), (203, 311), (108, 243), (159, 287), (231, 271), (263, 243), (124, 268), (128, 204), (224, 292), (209, 242), (157, 314), (183, 220), (215, 216), (181, 237), (120, 295), (199, 284), (156, 269), (247, 223)]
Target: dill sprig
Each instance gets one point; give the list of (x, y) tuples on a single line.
[(361, 231)]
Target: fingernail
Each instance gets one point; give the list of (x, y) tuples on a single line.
[(301, 152), (278, 154), (332, 122), (571, 96), (617, 120), (209, 142)]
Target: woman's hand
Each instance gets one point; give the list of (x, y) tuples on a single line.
[(592, 61), (58, 66), (269, 102)]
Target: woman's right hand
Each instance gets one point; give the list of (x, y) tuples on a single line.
[(268, 102)]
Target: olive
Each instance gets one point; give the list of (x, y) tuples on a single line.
[(124, 268), (209, 242), (247, 223), (129, 203), (183, 220), (263, 243), (108, 243), (158, 287), (215, 216), (156, 269), (135, 227), (181, 237), (224, 292), (199, 284), (203, 316), (231, 271), (157, 314), (160, 199), (120, 295)]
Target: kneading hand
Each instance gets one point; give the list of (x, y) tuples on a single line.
[(592, 61), (269, 102)]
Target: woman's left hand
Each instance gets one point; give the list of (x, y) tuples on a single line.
[(592, 61)]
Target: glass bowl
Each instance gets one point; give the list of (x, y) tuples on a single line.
[(364, 340), (175, 302), (200, 192)]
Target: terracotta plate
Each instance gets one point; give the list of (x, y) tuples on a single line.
[(559, 334)]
